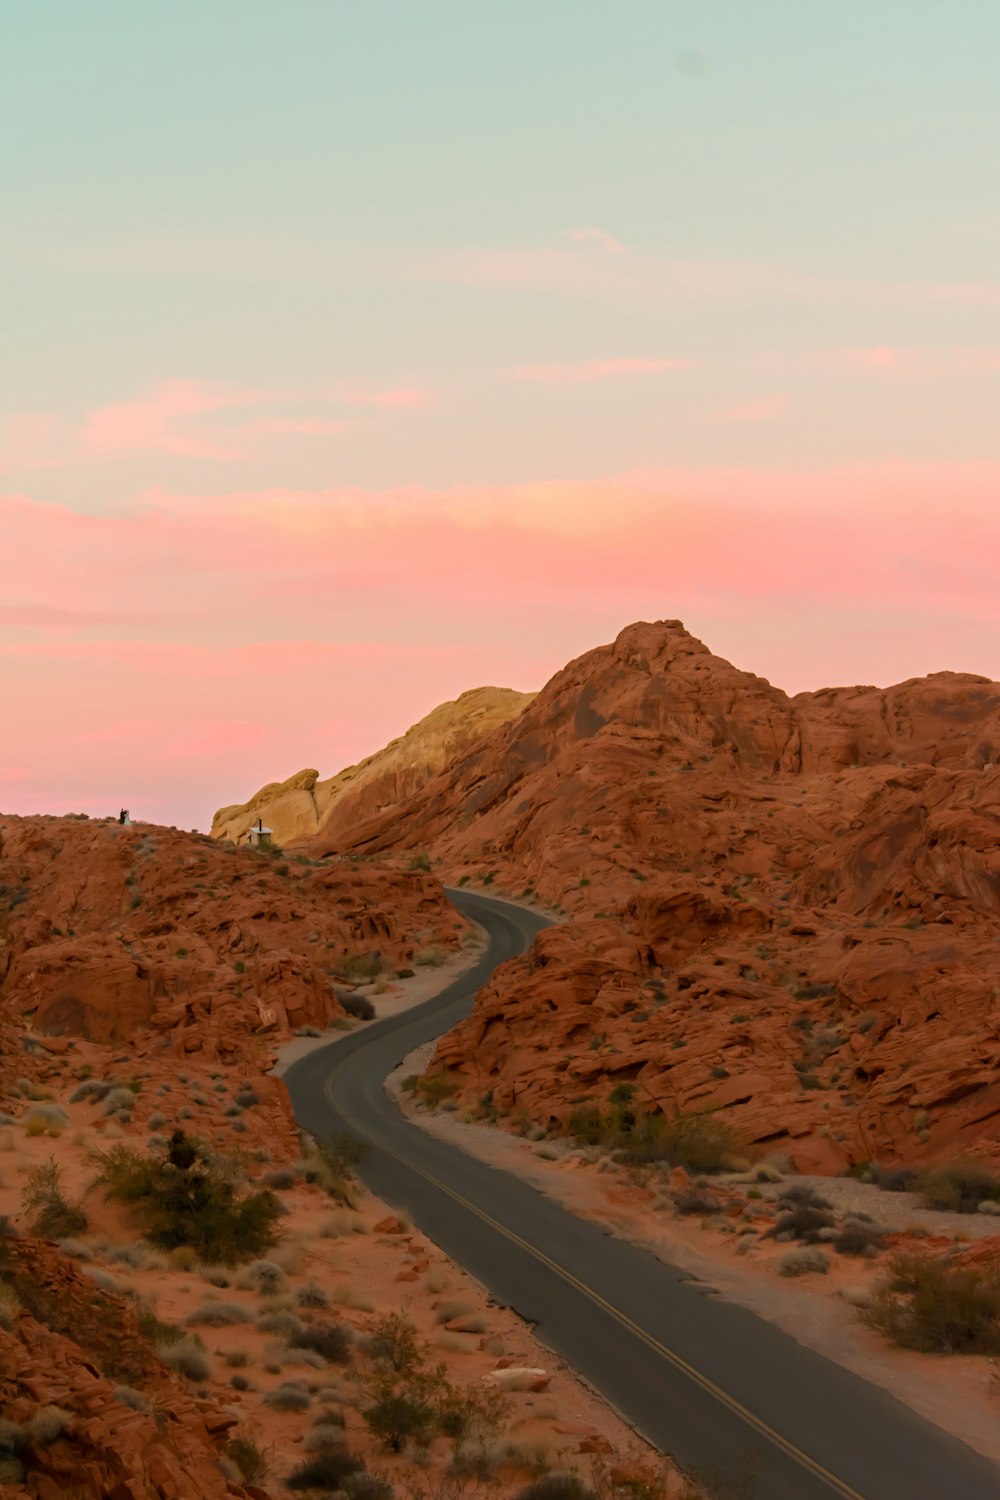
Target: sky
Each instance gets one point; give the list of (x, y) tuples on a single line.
[(356, 355)]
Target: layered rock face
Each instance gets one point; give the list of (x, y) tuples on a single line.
[(116, 934), (304, 806), (789, 908)]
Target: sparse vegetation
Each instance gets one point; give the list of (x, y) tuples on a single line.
[(324, 1472), (925, 1304)]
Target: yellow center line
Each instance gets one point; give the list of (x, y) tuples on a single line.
[(838, 1486)]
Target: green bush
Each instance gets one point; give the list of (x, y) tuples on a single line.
[(52, 1216), (184, 1196), (960, 1187), (397, 1417), (925, 1304), (420, 862)]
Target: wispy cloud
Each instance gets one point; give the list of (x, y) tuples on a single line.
[(884, 360), (192, 419), (764, 410), (601, 239), (582, 372)]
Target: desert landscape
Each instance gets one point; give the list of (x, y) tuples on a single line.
[(756, 1034), (499, 752)]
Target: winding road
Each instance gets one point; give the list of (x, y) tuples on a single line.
[(704, 1380)]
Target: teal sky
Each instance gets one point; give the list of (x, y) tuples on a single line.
[(332, 265)]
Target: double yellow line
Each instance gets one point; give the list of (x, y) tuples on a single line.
[(835, 1485)]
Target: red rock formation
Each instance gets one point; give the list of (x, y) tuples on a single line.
[(803, 898), (70, 1347), (109, 931)]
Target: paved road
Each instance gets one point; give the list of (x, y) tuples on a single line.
[(706, 1381)]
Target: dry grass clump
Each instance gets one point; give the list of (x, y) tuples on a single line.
[(218, 1315), (188, 1357), (341, 1222), (802, 1262), (45, 1119), (291, 1395)]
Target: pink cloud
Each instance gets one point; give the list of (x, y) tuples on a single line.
[(584, 371), (173, 419), (601, 239), (160, 422), (764, 410), (882, 359)]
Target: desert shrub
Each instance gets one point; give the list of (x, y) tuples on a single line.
[(332, 1340), (185, 1198), (960, 1187), (12, 1437), (91, 1088), (559, 1484), (187, 1357), (696, 1201), (47, 1424), (394, 1340), (362, 967), (325, 1471), (312, 1295), (698, 1141), (367, 1486), (435, 1086), (800, 1262), (893, 1179), (420, 861), (325, 1434), (358, 1006), (246, 1098), (859, 1237), (477, 1412), (218, 1315), (925, 1304), (248, 1458), (52, 1216), (281, 1178), (45, 1119), (805, 1215), (431, 958), (126, 1395), (397, 1417), (118, 1098), (281, 1322), (265, 1277), (289, 1396)]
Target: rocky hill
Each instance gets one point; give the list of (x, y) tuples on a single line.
[(787, 907), (303, 806), (154, 936)]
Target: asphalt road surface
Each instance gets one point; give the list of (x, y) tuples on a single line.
[(702, 1379)]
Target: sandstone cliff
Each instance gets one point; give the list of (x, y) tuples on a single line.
[(303, 806), (796, 899)]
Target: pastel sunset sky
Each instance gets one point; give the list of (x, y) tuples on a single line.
[(358, 354)]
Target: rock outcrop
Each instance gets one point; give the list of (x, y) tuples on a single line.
[(788, 907), (94, 1411), (304, 806), (143, 933)]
